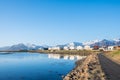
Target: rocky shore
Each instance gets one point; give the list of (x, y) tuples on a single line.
[(87, 69)]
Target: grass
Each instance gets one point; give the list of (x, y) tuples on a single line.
[(71, 52), (115, 55)]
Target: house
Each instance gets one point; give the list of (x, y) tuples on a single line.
[(87, 47), (66, 48), (50, 48), (56, 48), (103, 48), (111, 48), (79, 48), (95, 47), (71, 47)]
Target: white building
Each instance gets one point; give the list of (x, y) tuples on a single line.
[(111, 48), (54, 48), (66, 48), (104, 48), (50, 48), (79, 48), (87, 47), (71, 47)]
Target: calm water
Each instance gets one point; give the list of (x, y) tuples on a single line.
[(35, 66)]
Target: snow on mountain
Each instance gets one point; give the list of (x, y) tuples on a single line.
[(31, 45), (106, 42), (116, 39), (17, 47), (117, 42), (74, 44), (91, 42), (100, 43), (21, 46)]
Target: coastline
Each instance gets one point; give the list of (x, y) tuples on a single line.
[(67, 52), (87, 69)]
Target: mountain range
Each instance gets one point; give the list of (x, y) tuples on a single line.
[(100, 43), (21, 46)]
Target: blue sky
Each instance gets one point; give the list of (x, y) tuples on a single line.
[(54, 22)]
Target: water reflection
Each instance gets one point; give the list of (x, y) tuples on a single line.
[(41, 66), (66, 57), (4, 53), (23, 56)]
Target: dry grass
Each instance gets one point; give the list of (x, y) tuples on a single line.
[(71, 52), (115, 55)]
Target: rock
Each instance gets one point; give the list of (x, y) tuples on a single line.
[(89, 69), (66, 78)]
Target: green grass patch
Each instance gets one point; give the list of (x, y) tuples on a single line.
[(114, 53), (71, 52)]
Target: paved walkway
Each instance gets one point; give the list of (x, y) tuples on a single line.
[(111, 69)]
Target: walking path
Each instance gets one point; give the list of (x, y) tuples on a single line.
[(111, 69)]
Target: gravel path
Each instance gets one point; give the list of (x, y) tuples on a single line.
[(111, 69)]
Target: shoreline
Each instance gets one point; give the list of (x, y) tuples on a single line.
[(67, 52), (87, 69)]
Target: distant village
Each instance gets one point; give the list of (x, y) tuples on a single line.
[(87, 47), (99, 45), (104, 45)]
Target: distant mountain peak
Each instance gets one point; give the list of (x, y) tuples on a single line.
[(28, 46), (74, 44), (21, 46)]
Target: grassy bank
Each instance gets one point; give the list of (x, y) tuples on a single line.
[(74, 52), (114, 55)]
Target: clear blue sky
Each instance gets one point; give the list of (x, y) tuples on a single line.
[(58, 21)]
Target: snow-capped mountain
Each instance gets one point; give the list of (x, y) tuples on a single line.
[(101, 43), (33, 47), (74, 44), (21, 46), (91, 42), (30, 46), (117, 42), (18, 47), (106, 42)]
